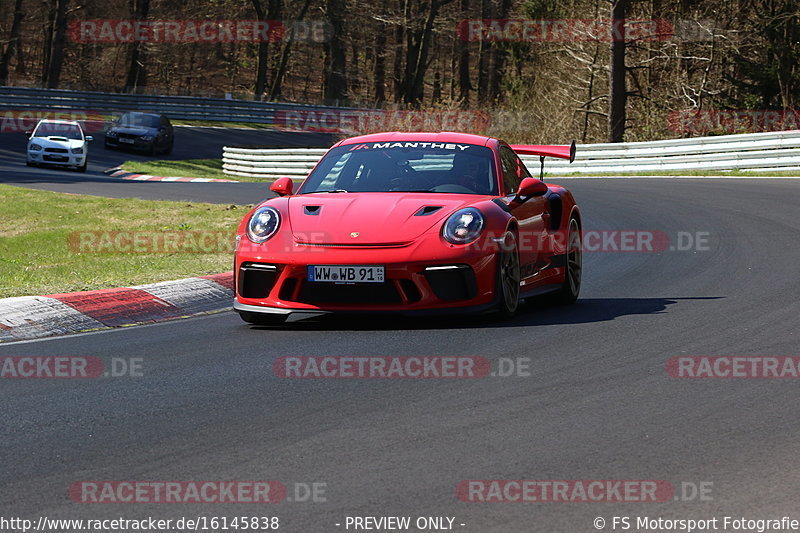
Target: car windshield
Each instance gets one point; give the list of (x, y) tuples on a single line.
[(405, 167), (52, 129), (139, 120)]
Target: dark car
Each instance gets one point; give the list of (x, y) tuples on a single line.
[(143, 132)]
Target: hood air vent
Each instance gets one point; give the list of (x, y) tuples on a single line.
[(427, 210)]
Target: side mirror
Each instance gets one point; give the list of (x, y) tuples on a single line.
[(89, 138), (282, 187), (27, 133), (532, 187)]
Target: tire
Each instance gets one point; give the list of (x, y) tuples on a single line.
[(168, 151), (82, 168), (152, 150), (508, 277), (261, 319), (571, 287)]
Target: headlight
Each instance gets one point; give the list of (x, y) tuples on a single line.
[(35, 147), (263, 224), (463, 226), (146, 137), (111, 134), (77, 150)]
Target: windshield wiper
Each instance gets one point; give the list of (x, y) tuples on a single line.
[(332, 190)]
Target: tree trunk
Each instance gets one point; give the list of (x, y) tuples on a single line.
[(57, 53), (617, 93), (279, 73), (13, 42), (263, 55), (137, 71), (379, 70), (47, 44), (464, 82), (397, 67), (499, 57), (483, 57), (335, 76)]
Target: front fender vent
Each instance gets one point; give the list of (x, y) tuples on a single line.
[(556, 211)]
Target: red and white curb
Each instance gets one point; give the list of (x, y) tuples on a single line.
[(122, 174), (30, 317)]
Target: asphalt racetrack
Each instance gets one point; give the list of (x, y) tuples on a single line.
[(595, 403), (190, 143)]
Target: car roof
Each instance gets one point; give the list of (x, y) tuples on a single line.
[(54, 121), (442, 136)]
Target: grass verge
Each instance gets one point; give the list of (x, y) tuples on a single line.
[(189, 168), (42, 251)]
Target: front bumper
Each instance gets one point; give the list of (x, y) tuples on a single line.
[(447, 279), (137, 145), (59, 159)]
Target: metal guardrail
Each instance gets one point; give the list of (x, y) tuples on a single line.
[(176, 107), (760, 151)]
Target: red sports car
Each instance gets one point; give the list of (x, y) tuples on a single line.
[(410, 222)]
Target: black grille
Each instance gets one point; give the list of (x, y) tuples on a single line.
[(344, 294), (256, 280), (287, 289), (453, 283), (411, 290), (57, 150)]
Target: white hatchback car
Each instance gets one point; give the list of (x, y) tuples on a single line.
[(58, 142)]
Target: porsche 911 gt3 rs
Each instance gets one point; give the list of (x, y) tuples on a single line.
[(410, 222)]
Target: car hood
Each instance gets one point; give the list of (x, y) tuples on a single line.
[(134, 130), (360, 219), (57, 142)]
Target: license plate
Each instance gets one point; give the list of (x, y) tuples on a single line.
[(346, 273), (56, 158), (123, 140)]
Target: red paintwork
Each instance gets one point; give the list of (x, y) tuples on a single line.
[(563, 152), (390, 235)]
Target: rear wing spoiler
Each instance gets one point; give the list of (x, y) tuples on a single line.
[(546, 150)]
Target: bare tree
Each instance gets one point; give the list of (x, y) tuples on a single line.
[(335, 74), (137, 68), (11, 46), (618, 94)]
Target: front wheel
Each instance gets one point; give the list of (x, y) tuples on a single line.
[(261, 319), (508, 277), (573, 267)]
